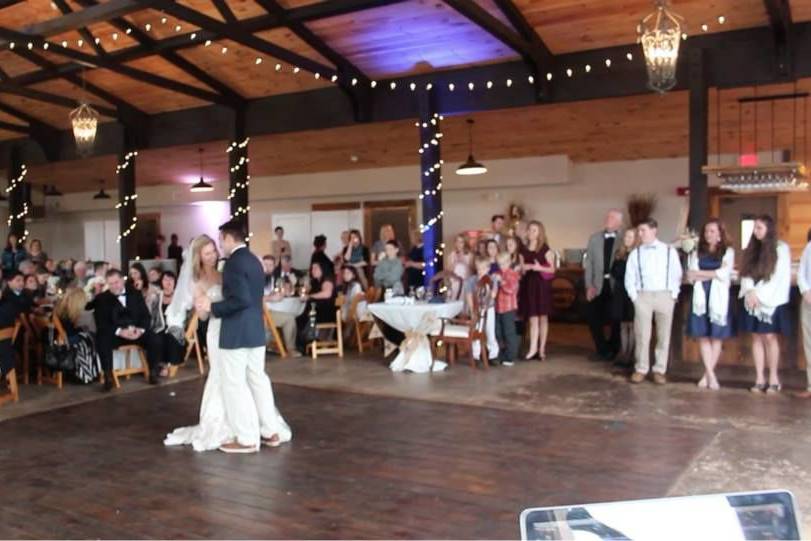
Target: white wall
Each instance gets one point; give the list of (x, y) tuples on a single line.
[(569, 198)]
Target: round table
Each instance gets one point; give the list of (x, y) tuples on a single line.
[(417, 321), (288, 305)]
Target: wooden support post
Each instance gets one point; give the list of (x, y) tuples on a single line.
[(238, 177), (699, 138), (18, 193), (430, 128), (127, 212)]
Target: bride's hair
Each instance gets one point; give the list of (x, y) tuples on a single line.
[(197, 246)]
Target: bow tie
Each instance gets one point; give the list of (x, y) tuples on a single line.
[(609, 235), (122, 296)]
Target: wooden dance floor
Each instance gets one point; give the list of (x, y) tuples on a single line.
[(359, 467)]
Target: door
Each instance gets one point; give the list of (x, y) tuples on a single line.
[(737, 212), (146, 235), (297, 233)]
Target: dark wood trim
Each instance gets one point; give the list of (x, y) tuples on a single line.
[(8, 3), (65, 9), (323, 207), (225, 11), (698, 138), (17, 128), (780, 20), (392, 203)]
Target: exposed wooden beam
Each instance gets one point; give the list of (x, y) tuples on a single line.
[(782, 26), (9, 3), (63, 7), (225, 11), (22, 115), (520, 23), (17, 128), (107, 62), (239, 35), (87, 17), (47, 97)]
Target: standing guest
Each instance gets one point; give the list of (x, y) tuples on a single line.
[(122, 318), (319, 254), (389, 270), (50, 264), (175, 251), (79, 274), (155, 274), (600, 254), (160, 240), (765, 285), (496, 232), (481, 248), (535, 290), (13, 302), (622, 309), (321, 300), (513, 247), (653, 281), (13, 254), (379, 246), (415, 262), (485, 296), (507, 280), (70, 309), (804, 284), (460, 261), (710, 320), (492, 249), (27, 267), (338, 259), (35, 253), (269, 267), (279, 246), (170, 350), (351, 287)]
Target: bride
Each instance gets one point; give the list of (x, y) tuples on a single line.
[(199, 276)]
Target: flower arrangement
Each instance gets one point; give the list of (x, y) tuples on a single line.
[(640, 208), (687, 241)]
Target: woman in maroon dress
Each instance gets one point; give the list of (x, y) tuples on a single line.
[(535, 293)]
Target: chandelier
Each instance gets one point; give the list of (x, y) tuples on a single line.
[(660, 34), (85, 121)]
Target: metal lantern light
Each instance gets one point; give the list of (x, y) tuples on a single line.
[(660, 34), (85, 121)]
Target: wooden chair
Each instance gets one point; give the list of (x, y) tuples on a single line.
[(454, 332), (373, 294), (129, 369), (192, 343), (22, 327), (44, 374), (336, 345), (10, 333), (277, 338), (361, 328), (447, 282)]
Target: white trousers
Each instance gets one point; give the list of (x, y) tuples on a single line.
[(650, 307), (249, 405), (490, 333)]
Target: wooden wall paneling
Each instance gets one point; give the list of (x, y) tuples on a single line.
[(240, 71), (801, 10)]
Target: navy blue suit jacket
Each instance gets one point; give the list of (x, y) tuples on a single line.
[(241, 310)]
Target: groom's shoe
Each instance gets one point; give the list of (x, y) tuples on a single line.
[(273, 441), (238, 449)]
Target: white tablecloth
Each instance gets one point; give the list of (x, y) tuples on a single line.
[(417, 321), (288, 305)]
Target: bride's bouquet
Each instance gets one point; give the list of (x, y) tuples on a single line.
[(687, 241)]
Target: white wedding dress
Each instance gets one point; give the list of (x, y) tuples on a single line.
[(213, 429)]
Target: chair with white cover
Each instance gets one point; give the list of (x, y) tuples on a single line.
[(467, 331)]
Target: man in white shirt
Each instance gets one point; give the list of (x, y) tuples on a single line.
[(653, 281), (804, 283)]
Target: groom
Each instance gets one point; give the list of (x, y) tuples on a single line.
[(246, 387)]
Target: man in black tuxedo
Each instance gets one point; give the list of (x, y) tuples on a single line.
[(285, 273), (122, 318), (14, 301)]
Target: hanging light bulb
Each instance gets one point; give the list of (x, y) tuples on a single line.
[(101, 194), (660, 36), (471, 166), (201, 185)]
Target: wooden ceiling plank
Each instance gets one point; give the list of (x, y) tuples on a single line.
[(8, 126), (47, 97), (9, 3), (63, 7), (225, 11), (520, 23), (87, 16)]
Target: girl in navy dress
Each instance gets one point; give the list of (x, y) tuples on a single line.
[(765, 285), (709, 269)]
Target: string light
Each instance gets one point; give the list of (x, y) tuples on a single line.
[(629, 56), (241, 163), (608, 62), (588, 68)]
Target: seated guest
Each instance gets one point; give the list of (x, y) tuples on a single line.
[(269, 266), (319, 256), (43, 283), (492, 249), (356, 253), (486, 304), (32, 288), (170, 350), (320, 301), (27, 267), (710, 321), (765, 288), (13, 302), (13, 254), (351, 288), (139, 281), (50, 264), (653, 282), (415, 262), (506, 280), (80, 274), (284, 321), (621, 307), (35, 253), (379, 246), (280, 247), (338, 259), (122, 318), (155, 275), (69, 310), (389, 270), (286, 275)]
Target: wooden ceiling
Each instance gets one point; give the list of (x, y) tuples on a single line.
[(641, 127)]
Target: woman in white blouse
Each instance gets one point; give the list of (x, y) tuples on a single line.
[(709, 269), (765, 285)]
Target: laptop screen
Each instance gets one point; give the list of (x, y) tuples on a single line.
[(755, 515)]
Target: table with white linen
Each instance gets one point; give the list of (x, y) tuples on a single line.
[(288, 305), (417, 320)]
